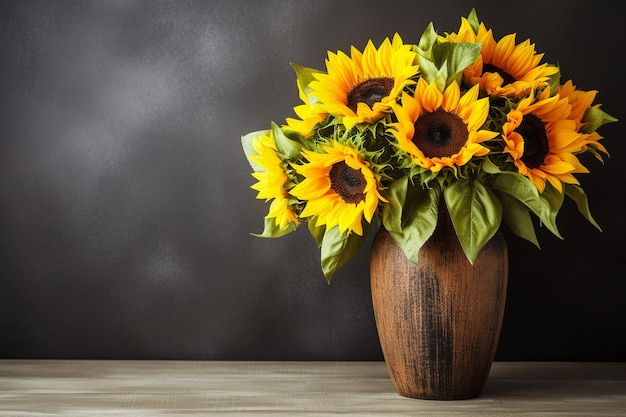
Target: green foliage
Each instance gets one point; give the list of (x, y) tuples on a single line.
[(475, 212), (271, 230), (248, 149), (443, 62), (411, 215), (517, 217), (472, 18), (576, 193), (594, 118), (289, 149), (337, 249), (304, 77)]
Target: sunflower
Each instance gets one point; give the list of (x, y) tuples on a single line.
[(271, 182), (339, 188), (502, 68), (362, 87), (541, 138), (442, 129), (581, 101), (309, 115)]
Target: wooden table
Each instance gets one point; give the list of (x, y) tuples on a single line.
[(206, 388)]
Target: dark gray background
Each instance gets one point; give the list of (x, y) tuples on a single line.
[(125, 207)]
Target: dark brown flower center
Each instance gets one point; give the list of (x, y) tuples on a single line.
[(369, 92), (536, 146), (347, 182), (439, 134), (508, 78)]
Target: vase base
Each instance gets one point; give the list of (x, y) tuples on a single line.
[(439, 397)]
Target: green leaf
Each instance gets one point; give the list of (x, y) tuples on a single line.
[(392, 212), (489, 167), (425, 59), (430, 72), (419, 219), (519, 187), (475, 212), (337, 249), (305, 76), (576, 193), (552, 200), (517, 217), (594, 118), (473, 20), (455, 57), (426, 42), (443, 63), (271, 230), (316, 231), (522, 189), (288, 148), (248, 148)]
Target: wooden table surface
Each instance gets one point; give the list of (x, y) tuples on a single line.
[(206, 388)]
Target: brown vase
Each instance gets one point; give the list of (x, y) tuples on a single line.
[(438, 320)]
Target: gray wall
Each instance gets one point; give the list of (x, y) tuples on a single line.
[(125, 207)]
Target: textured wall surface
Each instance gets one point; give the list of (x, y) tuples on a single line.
[(125, 207)]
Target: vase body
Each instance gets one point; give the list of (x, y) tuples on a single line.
[(439, 320)]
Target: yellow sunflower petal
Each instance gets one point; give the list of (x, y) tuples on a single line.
[(271, 182), (328, 198), (548, 143), (503, 68), (455, 121), (361, 88)]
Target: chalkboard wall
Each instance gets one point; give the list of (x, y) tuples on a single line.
[(125, 199)]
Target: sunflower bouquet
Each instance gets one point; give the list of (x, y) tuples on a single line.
[(386, 134)]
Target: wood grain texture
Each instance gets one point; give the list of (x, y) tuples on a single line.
[(30, 388), (439, 321)]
